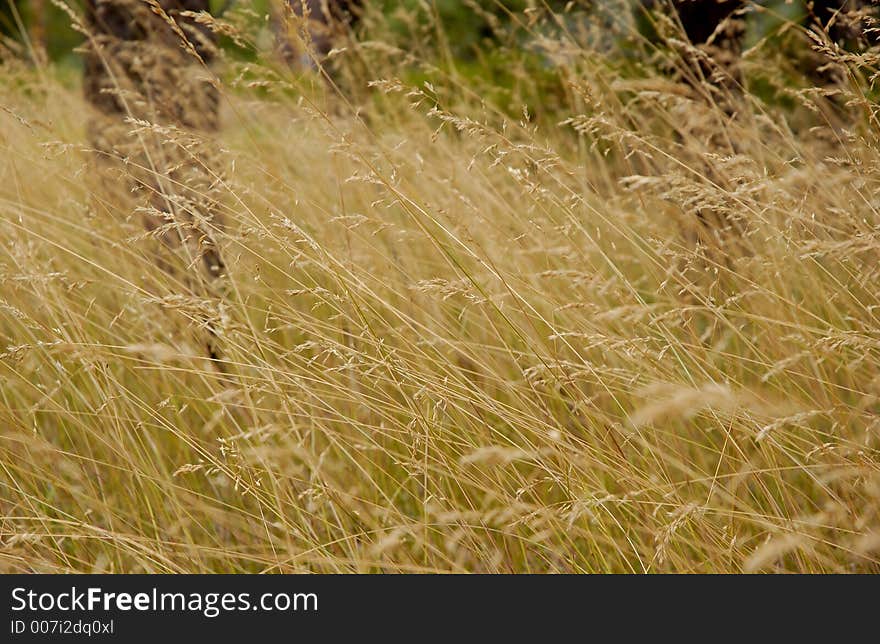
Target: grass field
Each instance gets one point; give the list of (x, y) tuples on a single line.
[(581, 318)]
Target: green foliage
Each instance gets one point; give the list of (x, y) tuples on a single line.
[(466, 26)]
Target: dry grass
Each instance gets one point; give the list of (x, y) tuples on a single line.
[(623, 332)]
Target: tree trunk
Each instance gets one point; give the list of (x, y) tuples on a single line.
[(39, 39), (322, 23), (146, 75)]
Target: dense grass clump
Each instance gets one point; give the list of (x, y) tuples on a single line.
[(554, 308)]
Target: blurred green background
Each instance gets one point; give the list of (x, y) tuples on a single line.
[(470, 27), (467, 24), (44, 24)]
